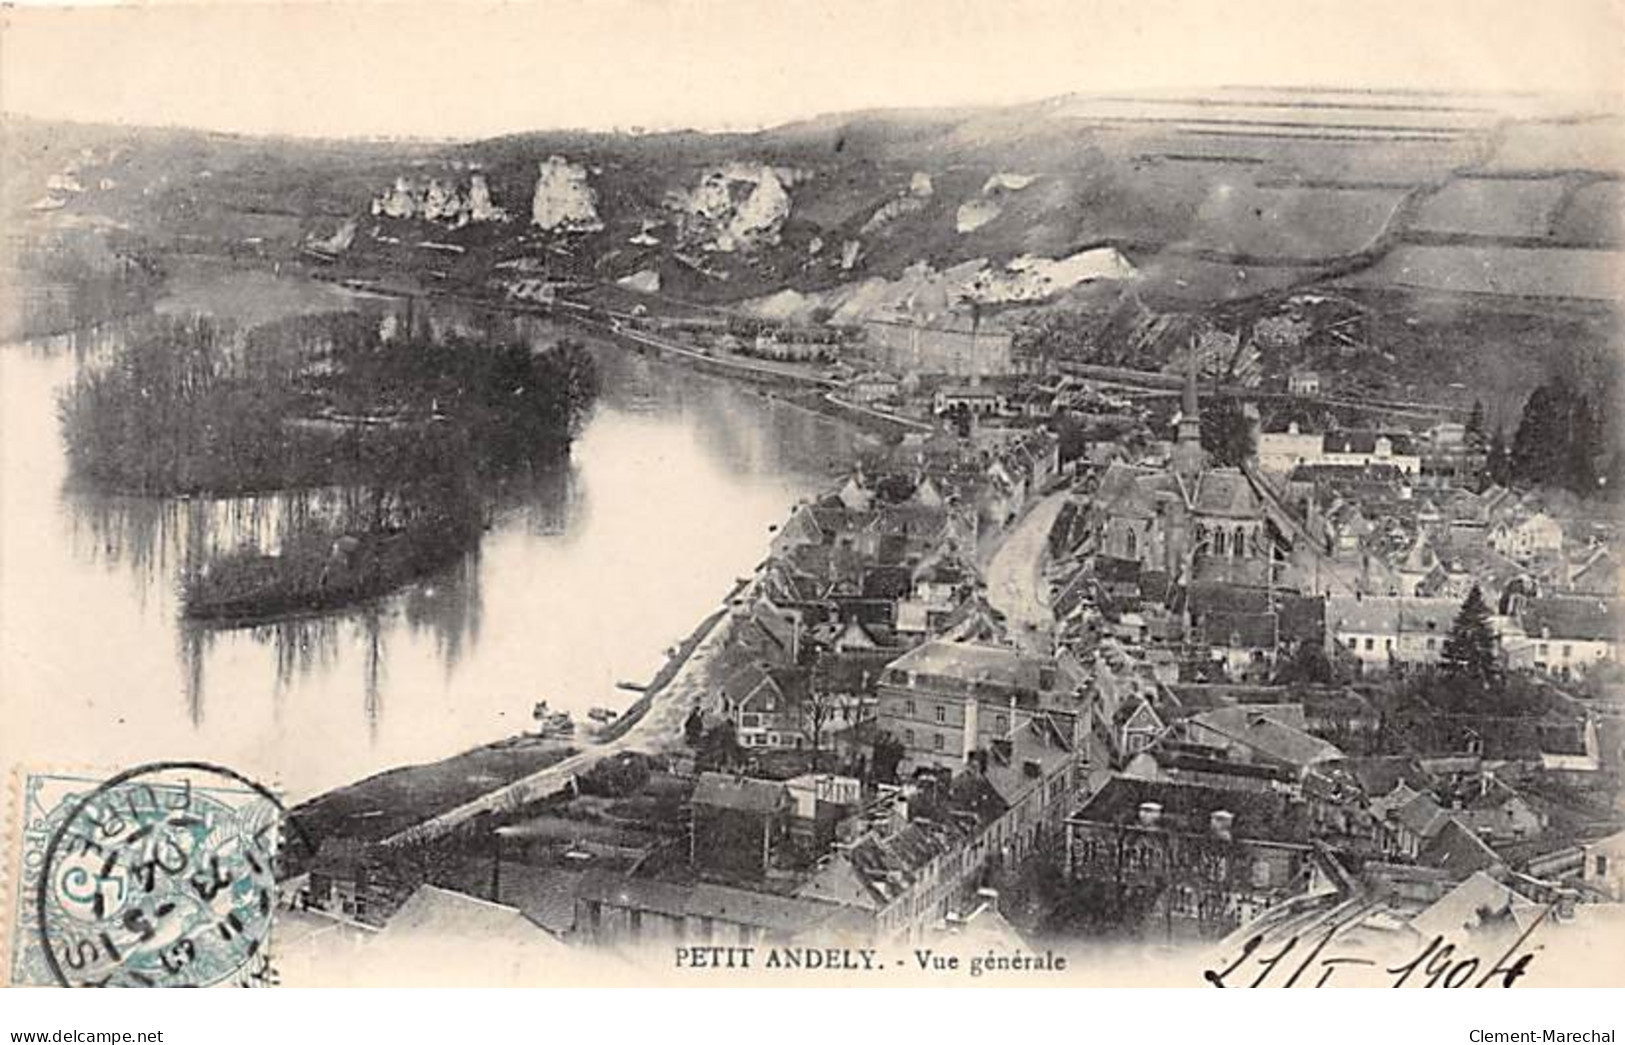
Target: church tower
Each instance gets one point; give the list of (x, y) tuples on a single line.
[(1188, 458)]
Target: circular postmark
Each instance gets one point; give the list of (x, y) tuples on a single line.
[(163, 876)]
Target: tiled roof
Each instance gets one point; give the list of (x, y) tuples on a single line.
[(971, 662), (726, 791), (1227, 493), (1270, 737), (1187, 807), (1583, 618), (1456, 849)]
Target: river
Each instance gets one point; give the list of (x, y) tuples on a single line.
[(591, 571)]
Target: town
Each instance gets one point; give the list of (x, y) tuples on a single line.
[(1194, 656)]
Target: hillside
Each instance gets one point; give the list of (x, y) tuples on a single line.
[(1483, 202)]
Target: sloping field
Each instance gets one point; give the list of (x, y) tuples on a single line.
[(1237, 110), (1173, 280), (1363, 161), (1591, 145), (1491, 207), (1534, 272), (1292, 223), (1594, 217)]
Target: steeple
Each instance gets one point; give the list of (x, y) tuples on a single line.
[(1188, 458)]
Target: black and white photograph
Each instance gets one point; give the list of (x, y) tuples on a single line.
[(896, 494)]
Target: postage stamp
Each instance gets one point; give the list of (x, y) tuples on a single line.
[(159, 876)]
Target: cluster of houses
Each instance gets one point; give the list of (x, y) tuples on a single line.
[(1200, 742)]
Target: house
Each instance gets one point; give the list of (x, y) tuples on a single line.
[(1569, 636), (738, 822), (947, 344), (975, 399), (1603, 870), (1302, 382), (1494, 810), (1283, 450), (1379, 630), (766, 706), (904, 873), (788, 348), (349, 879), (615, 909), (1186, 861), (1266, 733), (945, 700), (1524, 538), (873, 387), (1413, 817), (818, 802)]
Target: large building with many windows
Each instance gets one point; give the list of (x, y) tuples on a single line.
[(945, 701)]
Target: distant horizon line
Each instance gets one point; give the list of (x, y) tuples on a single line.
[(1190, 94)]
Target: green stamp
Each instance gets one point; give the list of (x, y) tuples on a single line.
[(162, 876)]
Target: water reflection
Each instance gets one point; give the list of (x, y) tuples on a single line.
[(589, 569)]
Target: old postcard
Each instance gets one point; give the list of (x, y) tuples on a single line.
[(839, 494)]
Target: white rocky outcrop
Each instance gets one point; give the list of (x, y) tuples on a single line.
[(1030, 278), (1005, 181), (338, 242), (890, 211), (920, 185), (481, 207), (927, 295), (438, 200), (974, 214), (851, 251), (564, 200), (644, 281), (733, 207)]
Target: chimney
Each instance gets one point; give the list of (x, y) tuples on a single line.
[(1150, 814), (1221, 821)]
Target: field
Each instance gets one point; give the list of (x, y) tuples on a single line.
[(1177, 281), (1492, 207), (1590, 275), (1593, 145), (1595, 217), (1297, 224), (382, 805)]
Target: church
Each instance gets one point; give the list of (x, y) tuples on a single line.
[(1188, 521)]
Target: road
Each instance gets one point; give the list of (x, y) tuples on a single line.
[(659, 730), (1015, 575)]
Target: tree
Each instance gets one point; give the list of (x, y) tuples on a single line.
[(887, 757), (1469, 657), (719, 748), (623, 774), (1559, 439), (694, 728), (1307, 664), (818, 710), (1227, 433), (1498, 460)]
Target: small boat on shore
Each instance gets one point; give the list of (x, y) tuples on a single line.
[(551, 723)]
